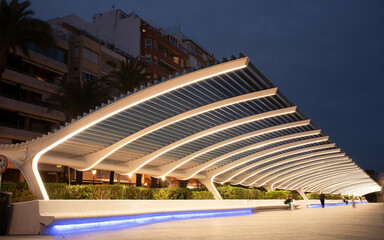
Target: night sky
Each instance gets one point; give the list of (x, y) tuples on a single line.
[(326, 56)]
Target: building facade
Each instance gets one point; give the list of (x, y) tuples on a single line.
[(85, 51)]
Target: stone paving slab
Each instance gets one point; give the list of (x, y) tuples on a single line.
[(366, 221)]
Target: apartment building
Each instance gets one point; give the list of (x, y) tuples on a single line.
[(86, 51), (89, 57), (25, 87), (163, 53)]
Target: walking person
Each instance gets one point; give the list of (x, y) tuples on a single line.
[(353, 202), (322, 199)]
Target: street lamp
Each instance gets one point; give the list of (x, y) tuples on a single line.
[(94, 173)]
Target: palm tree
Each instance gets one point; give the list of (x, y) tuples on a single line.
[(130, 75), (18, 28), (79, 97)]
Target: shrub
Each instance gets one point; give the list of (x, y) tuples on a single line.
[(63, 191), (171, 193), (312, 195), (22, 196), (230, 192), (20, 191), (202, 195), (57, 190), (144, 193)]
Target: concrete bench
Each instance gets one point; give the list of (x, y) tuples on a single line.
[(273, 207)]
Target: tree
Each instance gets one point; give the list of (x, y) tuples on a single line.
[(18, 29), (79, 97), (130, 75)]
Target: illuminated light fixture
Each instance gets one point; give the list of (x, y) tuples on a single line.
[(137, 164), (134, 100), (178, 163), (59, 166), (130, 175), (102, 154), (72, 226), (163, 178), (94, 171)]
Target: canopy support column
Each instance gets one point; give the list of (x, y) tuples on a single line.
[(26, 169), (208, 183), (302, 194)]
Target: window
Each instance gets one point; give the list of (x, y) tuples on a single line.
[(55, 53), (155, 61), (111, 63), (148, 43), (88, 76), (148, 60), (76, 52), (176, 60), (155, 45), (91, 55)]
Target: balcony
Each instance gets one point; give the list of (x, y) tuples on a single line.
[(18, 134), (22, 78), (19, 106)]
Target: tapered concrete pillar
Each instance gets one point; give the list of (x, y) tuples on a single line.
[(302, 194), (26, 169), (268, 187), (211, 187)]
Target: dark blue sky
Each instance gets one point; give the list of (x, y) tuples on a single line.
[(326, 56)]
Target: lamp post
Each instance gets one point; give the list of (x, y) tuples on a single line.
[(94, 173)]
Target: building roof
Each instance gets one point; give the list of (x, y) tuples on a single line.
[(225, 124)]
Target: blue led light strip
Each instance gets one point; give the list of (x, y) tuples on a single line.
[(72, 226), (333, 204)]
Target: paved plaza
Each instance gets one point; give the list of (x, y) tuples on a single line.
[(366, 221)]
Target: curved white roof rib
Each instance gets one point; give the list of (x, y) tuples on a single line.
[(229, 176), (272, 170), (224, 123), (327, 186), (137, 164), (319, 181), (307, 181), (299, 176), (172, 166), (264, 180)]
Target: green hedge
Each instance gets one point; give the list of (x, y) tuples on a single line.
[(230, 192), (63, 191), (327, 196), (20, 191)]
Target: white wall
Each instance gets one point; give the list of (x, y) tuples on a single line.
[(123, 32)]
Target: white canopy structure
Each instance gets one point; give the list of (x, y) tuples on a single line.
[(225, 123)]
